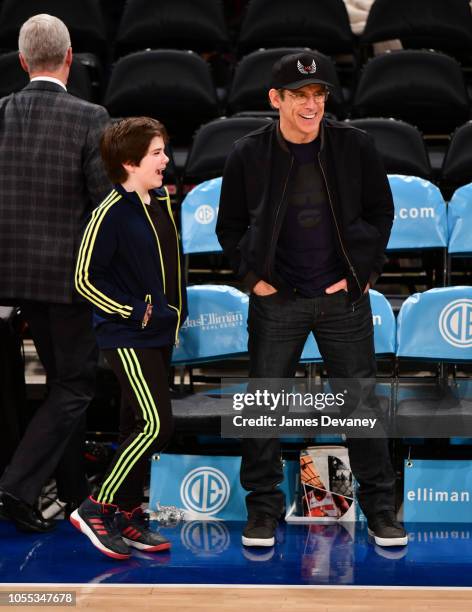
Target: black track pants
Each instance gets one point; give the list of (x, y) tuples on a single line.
[(145, 421)]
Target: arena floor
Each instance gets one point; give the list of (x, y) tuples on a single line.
[(327, 568)]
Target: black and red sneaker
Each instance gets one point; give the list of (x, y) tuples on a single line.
[(97, 522), (135, 531)]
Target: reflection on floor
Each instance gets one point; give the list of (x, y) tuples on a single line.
[(211, 553)]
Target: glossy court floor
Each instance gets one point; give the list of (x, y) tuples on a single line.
[(211, 553)]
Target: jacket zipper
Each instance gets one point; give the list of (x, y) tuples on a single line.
[(179, 309), (158, 243), (351, 267), (162, 261), (276, 218)]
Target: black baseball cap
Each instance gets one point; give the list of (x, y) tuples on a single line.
[(298, 69)]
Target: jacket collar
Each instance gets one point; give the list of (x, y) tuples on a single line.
[(44, 86), (132, 196), (49, 79)]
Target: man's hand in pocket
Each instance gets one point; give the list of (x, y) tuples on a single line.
[(262, 288), (339, 286)]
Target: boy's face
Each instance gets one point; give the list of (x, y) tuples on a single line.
[(151, 168)]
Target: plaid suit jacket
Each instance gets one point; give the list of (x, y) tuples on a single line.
[(51, 177)]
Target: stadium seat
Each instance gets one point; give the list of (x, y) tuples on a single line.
[(252, 77), (459, 220), (198, 215), (419, 229), (323, 25), (216, 327), (13, 77), (435, 326), (188, 24), (420, 214), (215, 330), (457, 164), (424, 88), (400, 144), (173, 86), (84, 20), (385, 327), (444, 25), (198, 218), (212, 143)]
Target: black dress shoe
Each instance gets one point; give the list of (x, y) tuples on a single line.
[(25, 517)]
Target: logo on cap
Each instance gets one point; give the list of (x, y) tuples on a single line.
[(310, 69)]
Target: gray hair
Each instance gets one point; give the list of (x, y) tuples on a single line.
[(43, 42)]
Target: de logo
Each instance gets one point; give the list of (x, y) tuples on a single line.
[(205, 490), (205, 538), (204, 214), (455, 323)]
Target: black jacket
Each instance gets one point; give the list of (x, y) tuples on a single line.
[(253, 202), (120, 269)]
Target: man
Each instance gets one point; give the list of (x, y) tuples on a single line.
[(51, 178), (305, 216)]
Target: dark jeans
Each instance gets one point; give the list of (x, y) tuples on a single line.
[(278, 328), (53, 443)]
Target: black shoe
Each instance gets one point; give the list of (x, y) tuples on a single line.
[(260, 530), (386, 530), (134, 529), (97, 522), (25, 517)]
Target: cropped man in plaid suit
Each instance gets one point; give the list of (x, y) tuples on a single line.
[(51, 177)]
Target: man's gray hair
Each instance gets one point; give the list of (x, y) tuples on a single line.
[(43, 42)]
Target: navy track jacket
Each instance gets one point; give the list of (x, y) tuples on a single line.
[(120, 269)]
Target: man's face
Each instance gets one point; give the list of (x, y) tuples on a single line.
[(300, 110), (151, 168)]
